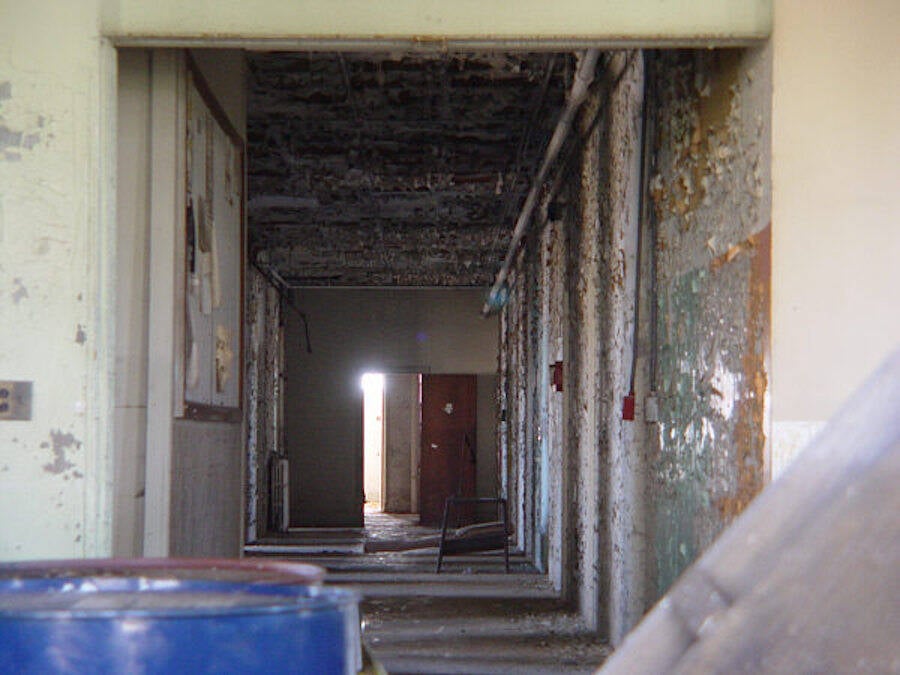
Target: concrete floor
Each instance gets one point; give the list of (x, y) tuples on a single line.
[(471, 618), (344, 549), (414, 630)]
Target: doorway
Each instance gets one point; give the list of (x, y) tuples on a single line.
[(420, 442), (373, 440)]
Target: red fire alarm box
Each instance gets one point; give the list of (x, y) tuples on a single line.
[(628, 408), (557, 376)]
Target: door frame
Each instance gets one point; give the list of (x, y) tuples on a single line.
[(437, 26)]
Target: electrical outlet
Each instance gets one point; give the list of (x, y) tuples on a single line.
[(15, 400)]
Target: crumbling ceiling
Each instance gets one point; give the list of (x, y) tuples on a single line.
[(394, 169)]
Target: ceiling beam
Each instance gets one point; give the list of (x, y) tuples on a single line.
[(436, 24)]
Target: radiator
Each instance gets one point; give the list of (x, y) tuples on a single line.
[(279, 495)]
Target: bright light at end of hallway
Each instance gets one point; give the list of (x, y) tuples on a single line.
[(372, 383)]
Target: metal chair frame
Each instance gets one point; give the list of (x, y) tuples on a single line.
[(484, 542)]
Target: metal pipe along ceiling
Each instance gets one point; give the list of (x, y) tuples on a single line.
[(584, 76)]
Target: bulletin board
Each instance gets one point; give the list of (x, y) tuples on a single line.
[(214, 253)]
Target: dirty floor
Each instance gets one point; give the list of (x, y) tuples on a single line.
[(471, 618)]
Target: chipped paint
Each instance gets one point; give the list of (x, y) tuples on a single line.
[(19, 129), (589, 466), (59, 443), (80, 335), (575, 479), (19, 291), (750, 430), (264, 367), (711, 207)]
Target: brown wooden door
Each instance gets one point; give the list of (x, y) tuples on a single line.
[(447, 464)]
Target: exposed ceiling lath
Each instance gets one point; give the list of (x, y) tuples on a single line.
[(393, 169)]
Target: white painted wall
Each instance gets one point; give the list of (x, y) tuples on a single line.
[(57, 106), (836, 202)]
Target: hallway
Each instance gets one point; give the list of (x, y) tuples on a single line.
[(624, 219), (621, 348)]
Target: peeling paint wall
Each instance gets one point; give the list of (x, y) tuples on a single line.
[(610, 468), (263, 395), (710, 193), (583, 371), (558, 507), (559, 309), (56, 251), (531, 420), (620, 172), (632, 502), (518, 466), (557, 469)]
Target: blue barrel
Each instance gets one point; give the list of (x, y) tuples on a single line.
[(171, 616)]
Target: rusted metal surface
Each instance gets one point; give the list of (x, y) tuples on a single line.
[(448, 443), (750, 430), (642, 499)]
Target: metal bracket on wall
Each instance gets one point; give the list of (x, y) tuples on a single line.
[(15, 400)]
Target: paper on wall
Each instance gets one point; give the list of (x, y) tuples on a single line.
[(224, 357)]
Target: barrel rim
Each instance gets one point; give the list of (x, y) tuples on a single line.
[(252, 571), (272, 598)]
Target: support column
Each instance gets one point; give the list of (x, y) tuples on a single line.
[(584, 394), (621, 443)]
